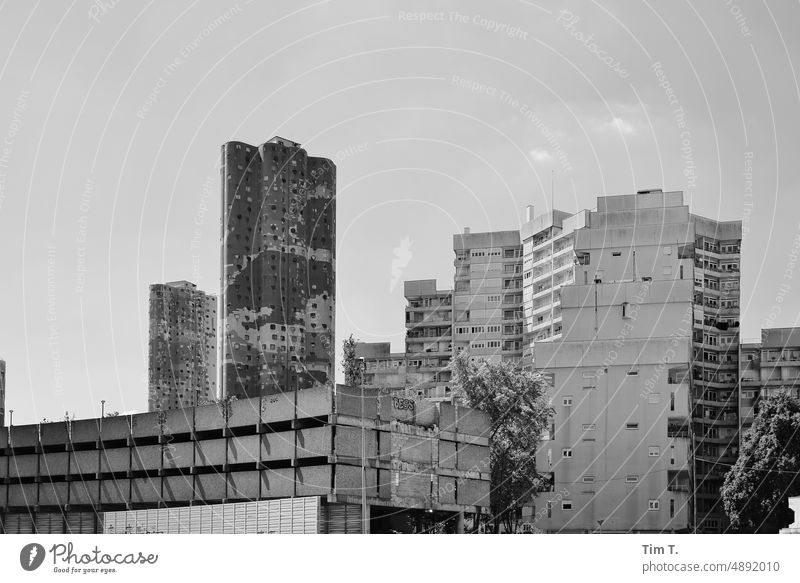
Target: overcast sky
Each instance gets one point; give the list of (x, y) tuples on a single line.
[(112, 115)]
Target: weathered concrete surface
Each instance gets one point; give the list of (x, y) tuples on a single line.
[(278, 285)]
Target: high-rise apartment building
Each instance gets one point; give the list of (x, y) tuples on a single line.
[(2, 392), (633, 309), (482, 314), (766, 367), (183, 346), (644, 381), (620, 373), (278, 276), (429, 339), (487, 296), (548, 264), (715, 368), (421, 369)]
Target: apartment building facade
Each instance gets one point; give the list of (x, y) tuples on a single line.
[(616, 456), (481, 314), (421, 369), (487, 296), (715, 367), (2, 392), (182, 355), (278, 268), (766, 367), (646, 421), (548, 264)]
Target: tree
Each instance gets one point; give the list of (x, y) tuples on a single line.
[(757, 487), (517, 404), (350, 363)]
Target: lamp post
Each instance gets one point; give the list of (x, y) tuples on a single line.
[(102, 414), (362, 367)]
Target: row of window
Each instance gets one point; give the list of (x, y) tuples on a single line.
[(652, 505), (652, 451)]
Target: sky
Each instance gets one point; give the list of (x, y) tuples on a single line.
[(439, 114)]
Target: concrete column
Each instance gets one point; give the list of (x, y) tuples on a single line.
[(365, 520), (460, 522)]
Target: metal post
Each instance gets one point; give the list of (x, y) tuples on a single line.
[(102, 414), (362, 366)]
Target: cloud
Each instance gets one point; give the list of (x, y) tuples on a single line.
[(617, 125), (540, 155)]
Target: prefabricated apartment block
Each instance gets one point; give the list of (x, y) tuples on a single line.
[(424, 461)]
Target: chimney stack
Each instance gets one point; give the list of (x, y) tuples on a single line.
[(529, 213)]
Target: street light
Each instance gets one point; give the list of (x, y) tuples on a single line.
[(362, 367)]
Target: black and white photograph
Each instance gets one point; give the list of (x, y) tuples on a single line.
[(373, 267)]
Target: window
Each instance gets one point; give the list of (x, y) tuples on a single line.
[(653, 398), (747, 394), (653, 451), (588, 479), (631, 426), (566, 452), (588, 426), (631, 479), (672, 401), (567, 401), (668, 250), (616, 253), (566, 505), (632, 372), (667, 270), (672, 508), (652, 505), (626, 310)]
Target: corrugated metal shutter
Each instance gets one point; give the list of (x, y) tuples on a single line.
[(49, 523), (19, 524), (74, 523), (311, 522), (336, 522), (196, 520), (343, 518), (293, 515)]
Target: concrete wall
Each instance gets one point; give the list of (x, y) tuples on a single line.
[(616, 387), (249, 450)]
